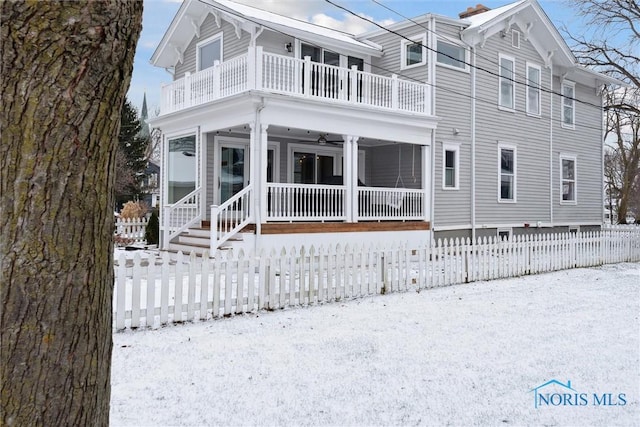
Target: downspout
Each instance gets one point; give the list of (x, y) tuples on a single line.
[(551, 145), (601, 88), (473, 145), (432, 81)]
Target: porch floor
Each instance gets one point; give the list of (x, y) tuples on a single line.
[(335, 227)]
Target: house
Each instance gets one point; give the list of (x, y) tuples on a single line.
[(472, 126)]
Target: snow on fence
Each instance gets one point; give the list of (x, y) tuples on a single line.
[(153, 292), (131, 230)]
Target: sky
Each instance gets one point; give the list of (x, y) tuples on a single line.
[(159, 13)]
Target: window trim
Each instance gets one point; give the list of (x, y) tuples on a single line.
[(513, 148), (336, 152), (419, 38), (455, 147), (209, 40), (465, 67), (515, 38), (502, 56), (572, 85), (164, 178), (573, 158), (530, 65)]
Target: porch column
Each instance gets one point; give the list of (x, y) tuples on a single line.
[(427, 172), (254, 168), (350, 176), (346, 176), (261, 216), (354, 178), (202, 173)]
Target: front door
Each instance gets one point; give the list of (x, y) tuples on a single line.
[(234, 169)]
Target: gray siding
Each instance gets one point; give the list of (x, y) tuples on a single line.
[(390, 62), (232, 46), (385, 169), (585, 143), (529, 134), (453, 107)]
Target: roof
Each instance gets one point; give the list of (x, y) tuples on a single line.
[(288, 25), (484, 17), (192, 14)]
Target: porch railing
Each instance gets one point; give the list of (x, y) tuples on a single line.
[(305, 202), (270, 72), (375, 203), (230, 217), (181, 215)]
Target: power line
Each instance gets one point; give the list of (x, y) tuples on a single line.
[(459, 60)]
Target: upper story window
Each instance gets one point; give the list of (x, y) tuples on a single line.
[(568, 179), (507, 94), (534, 74), (568, 105), (208, 51), (451, 55), (413, 53), (507, 174)]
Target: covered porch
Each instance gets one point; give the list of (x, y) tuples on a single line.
[(317, 166)]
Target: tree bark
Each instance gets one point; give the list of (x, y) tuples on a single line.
[(65, 69)]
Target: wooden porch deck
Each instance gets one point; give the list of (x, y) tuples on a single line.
[(335, 227)]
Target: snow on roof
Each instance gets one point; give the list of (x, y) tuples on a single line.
[(484, 17), (274, 20)]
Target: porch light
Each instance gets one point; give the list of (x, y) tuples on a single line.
[(322, 140), (288, 47)]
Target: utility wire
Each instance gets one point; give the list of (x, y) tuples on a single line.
[(459, 60)]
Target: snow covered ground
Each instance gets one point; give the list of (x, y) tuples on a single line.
[(462, 355)]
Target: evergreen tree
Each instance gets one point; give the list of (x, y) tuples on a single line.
[(132, 161)]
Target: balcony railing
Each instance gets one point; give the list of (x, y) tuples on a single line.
[(257, 70)]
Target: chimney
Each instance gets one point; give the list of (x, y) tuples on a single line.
[(473, 11)]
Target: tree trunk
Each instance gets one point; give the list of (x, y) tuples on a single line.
[(66, 67)]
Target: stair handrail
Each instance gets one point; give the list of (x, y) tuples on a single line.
[(231, 216), (185, 220)]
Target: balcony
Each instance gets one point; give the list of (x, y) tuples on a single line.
[(267, 72)]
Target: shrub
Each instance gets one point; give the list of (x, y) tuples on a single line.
[(134, 210), (152, 231)]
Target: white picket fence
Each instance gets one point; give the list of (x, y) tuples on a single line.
[(131, 229), (157, 291)]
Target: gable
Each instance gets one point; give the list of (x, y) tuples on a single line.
[(534, 25), (187, 24)]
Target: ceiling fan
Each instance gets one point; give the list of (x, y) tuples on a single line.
[(322, 140)]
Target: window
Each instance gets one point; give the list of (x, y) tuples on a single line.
[(515, 39), (451, 55), (450, 166), (568, 104), (413, 53), (568, 179), (504, 234), (208, 51), (507, 95), (507, 174), (181, 170), (533, 89)]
